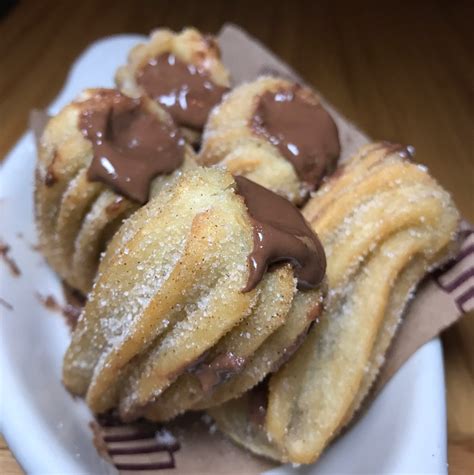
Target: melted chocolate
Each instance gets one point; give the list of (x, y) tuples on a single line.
[(185, 90), (131, 145), (281, 234), (219, 370), (301, 129)]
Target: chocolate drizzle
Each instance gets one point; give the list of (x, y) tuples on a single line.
[(301, 129), (185, 90), (281, 234), (131, 145)]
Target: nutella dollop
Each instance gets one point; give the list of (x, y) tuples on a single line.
[(301, 129), (185, 90), (131, 145), (281, 234)]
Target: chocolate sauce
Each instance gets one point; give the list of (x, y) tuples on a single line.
[(301, 129), (219, 370), (185, 90), (281, 234), (131, 145)]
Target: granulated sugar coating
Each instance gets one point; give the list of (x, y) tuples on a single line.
[(167, 309), (384, 222)]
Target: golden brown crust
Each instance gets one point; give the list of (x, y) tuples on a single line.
[(384, 222), (74, 216)]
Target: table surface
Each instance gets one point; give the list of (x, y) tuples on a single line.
[(401, 73)]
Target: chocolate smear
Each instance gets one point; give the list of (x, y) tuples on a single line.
[(301, 129), (5, 255), (131, 145), (6, 304), (70, 312), (185, 90), (219, 370), (281, 234)]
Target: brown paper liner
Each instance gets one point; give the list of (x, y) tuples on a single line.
[(440, 300)]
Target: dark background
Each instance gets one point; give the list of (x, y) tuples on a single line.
[(402, 71)]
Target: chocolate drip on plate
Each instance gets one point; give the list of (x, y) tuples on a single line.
[(185, 90), (131, 145), (281, 234), (8, 259), (301, 129)]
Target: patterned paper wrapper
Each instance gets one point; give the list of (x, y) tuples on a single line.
[(191, 444)]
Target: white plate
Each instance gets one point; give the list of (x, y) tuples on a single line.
[(403, 432)]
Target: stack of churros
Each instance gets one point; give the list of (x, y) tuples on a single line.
[(207, 288)]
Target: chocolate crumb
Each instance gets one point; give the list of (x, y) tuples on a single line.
[(70, 311), (4, 254), (35, 247), (49, 302)]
